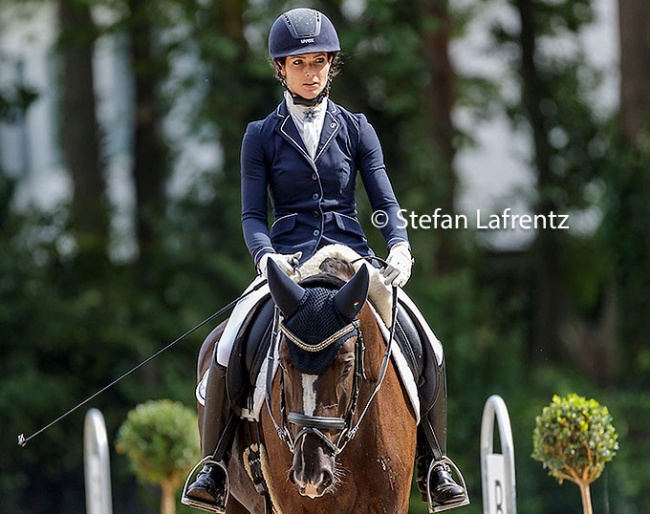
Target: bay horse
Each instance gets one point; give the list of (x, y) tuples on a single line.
[(318, 465)]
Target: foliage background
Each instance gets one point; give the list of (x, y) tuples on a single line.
[(566, 313)]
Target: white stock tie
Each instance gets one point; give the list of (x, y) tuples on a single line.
[(311, 133)]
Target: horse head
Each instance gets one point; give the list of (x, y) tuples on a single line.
[(321, 363)]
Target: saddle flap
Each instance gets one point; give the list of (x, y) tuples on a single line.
[(249, 351), (409, 340)]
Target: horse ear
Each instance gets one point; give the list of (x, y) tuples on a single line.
[(285, 292), (353, 294)]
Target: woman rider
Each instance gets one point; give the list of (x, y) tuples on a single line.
[(305, 156)]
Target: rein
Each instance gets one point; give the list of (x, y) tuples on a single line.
[(316, 425), (382, 371)]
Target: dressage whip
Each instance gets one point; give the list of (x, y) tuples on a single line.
[(22, 440)]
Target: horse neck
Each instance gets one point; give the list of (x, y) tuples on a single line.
[(375, 346), (389, 413), (375, 350)]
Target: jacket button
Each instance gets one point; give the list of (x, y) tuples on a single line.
[(315, 196), (315, 214), (316, 232), (314, 176)]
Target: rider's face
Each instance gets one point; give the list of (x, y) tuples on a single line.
[(306, 75)]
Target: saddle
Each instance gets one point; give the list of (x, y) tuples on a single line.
[(254, 338), (249, 352)]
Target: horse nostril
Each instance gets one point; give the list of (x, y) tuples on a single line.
[(327, 480)]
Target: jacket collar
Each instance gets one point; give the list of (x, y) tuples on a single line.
[(282, 111), (287, 129)]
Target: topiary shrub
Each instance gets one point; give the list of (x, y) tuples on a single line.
[(574, 438), (161, 442)]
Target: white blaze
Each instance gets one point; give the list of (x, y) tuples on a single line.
[(309, 394)]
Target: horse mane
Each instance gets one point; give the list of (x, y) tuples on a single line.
[(337, 267), (342, 262), (333, 273)]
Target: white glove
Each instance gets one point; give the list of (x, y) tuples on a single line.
[(398, 265), (287, 263)]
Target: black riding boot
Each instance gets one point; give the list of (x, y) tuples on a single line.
[(432, 464), (209, 491)]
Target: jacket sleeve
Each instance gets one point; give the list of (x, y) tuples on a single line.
[(254, 184), (370, 160)]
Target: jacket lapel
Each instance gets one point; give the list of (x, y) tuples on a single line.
[(287, 129), (331, 126)]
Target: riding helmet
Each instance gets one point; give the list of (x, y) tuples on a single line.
[(302, 31)]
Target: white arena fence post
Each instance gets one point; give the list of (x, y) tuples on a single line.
[(497, 469), (97, 464)]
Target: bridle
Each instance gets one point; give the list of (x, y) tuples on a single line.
[(318, 425)]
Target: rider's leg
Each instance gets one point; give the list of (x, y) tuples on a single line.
[(432, 431), (210, 486), (209, 491), (432, 447)]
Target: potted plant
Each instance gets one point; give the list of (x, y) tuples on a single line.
[(574, 438), (161, 442)]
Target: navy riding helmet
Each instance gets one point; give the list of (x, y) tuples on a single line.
[(302, 31)]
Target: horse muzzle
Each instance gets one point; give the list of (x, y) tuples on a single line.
[(313, 469), (315, 485)]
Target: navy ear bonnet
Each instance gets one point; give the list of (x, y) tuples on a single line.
[(318, 314), (314, 320)]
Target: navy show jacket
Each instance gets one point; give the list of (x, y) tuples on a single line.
[(313, 200)]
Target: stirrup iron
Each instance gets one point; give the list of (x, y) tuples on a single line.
[(201, 505), (435, 507)]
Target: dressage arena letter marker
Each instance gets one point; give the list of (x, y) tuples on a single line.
[(496, 479), (96, 464), (497, 470)]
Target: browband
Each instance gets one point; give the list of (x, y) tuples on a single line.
[(351, 328)]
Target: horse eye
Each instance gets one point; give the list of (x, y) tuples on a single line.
[(348, 367)]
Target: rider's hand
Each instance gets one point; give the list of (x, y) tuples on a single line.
[(287, 263), (398, 265)]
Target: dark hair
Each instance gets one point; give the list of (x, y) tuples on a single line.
[(336, 63)]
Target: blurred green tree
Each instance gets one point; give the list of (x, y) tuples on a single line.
[(79, 129), (567, 272), (574, 438), (161, 442), (626, 229)]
